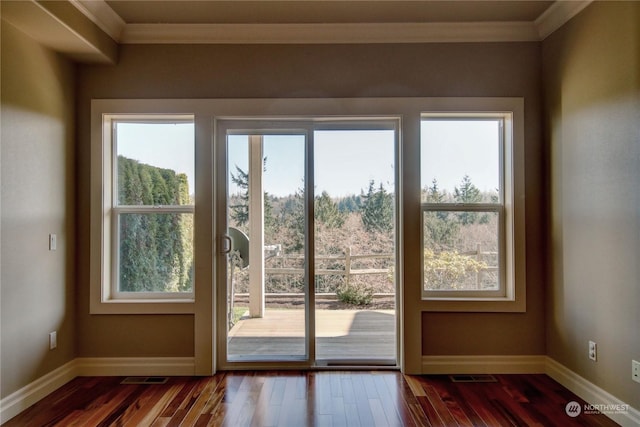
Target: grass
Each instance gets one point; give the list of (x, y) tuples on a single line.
[(238, 312)]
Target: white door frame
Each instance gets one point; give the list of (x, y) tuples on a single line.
[(257, 127)]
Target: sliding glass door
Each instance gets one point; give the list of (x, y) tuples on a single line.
[(266, 286), (309, 235), (354, 223)]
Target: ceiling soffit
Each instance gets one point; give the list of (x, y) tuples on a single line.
[(327, 21), (325, 12), (73, 26)]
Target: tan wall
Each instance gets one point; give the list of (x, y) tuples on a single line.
[(236, 71), (592, 88), (38, 172)]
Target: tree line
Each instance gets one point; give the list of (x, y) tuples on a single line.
[(156, 250), (447, 233), (284, 217), (367, 220), (364, 222)]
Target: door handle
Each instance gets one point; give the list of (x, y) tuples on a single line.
[(226, 248)]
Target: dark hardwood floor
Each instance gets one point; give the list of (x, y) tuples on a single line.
[(329, 398)]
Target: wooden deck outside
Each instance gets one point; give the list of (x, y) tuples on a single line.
[(340, 334)]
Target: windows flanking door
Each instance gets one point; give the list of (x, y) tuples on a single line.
[(310, 262), (308, 216)]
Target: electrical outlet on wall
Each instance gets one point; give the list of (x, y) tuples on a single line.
[(53, 242), (53, 340), (593, 351), (635, 371)]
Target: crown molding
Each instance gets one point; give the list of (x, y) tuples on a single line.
[(328, 33), (102, 15), (558, 14)]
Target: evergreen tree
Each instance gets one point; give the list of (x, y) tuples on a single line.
[(327, 212), (156, 250), (440, 229), (293, 220), (240, 211), (467, 193), (351, 203), (433, 193), (377, 209)]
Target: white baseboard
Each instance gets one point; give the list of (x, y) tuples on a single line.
[(591, 393), (20, 400), (483, 364), (583, 388)]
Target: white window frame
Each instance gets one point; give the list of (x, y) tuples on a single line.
[(108, 299), (511, 295), (117, 210), (206, 246)]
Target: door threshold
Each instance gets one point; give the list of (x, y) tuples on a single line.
[(357, 364)]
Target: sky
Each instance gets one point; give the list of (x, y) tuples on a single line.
[(345, 160), (452, 149), (164, 145)]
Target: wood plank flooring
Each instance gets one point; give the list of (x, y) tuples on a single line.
[(313, 398)]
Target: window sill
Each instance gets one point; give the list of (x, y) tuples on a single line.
[(475, 305), (143, 306)]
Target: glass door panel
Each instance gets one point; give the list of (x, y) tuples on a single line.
[(355, 252), (310, 226), (266, 291)]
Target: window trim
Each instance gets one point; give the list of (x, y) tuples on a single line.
[(411, 308), (107, 299), (117, 209), (505, 283), (207, 111), (503, 289), (122, 296), (512, 245)]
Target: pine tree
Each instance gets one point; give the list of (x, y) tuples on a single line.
[(467, 193), (327, 212), (294, 224), (377, 209), (440, 231), (240, 211), (351, 203), (433, 193)]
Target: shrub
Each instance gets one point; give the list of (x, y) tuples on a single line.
[(355, 294), (447, 269)]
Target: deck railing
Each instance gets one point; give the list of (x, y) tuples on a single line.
[(347, 259)]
